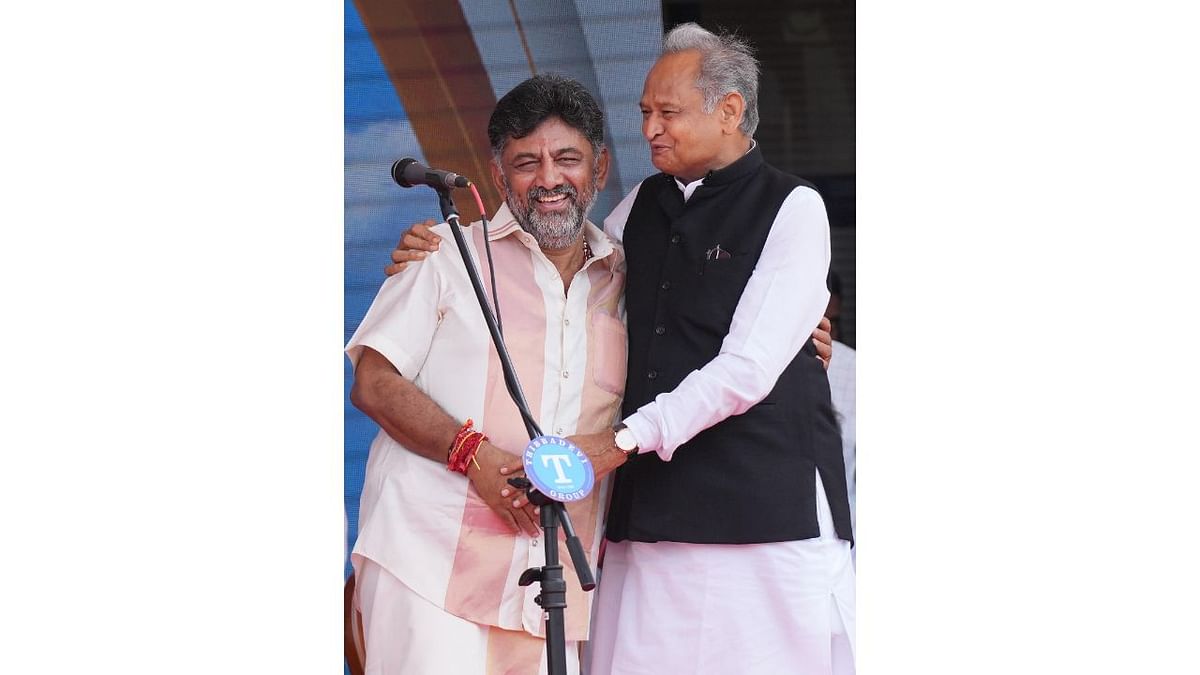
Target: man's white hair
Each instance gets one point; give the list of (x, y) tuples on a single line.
[(726, 64)]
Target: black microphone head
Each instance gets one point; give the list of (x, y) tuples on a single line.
[(398, 168)]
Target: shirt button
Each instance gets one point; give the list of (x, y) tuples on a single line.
[(675, 238), (659, 330), (666, 285), (533, 542), (558, 431), (566, 322), (652, 374), (566, 374)]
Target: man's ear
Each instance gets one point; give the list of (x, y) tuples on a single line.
[(731, 110), (602, 168)]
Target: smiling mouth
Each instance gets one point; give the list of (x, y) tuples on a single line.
[(552, 202)]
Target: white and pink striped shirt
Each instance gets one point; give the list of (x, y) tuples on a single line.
[(426, 525)]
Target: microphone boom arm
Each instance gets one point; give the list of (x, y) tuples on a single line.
[(510, 375)]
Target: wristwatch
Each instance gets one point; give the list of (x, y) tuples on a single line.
[(625, 441)]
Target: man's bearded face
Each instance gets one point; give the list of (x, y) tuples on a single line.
[(550, 179), (553, 229)]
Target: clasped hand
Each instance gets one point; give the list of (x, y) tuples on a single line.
[(600, 449), (492, 486)]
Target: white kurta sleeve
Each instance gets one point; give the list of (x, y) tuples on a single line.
[(784, 300), (614, 224), (404, 316)]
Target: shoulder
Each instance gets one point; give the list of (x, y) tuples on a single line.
[(443, 231), (435, 268), (802, 203), (785, 180), (792, 197)]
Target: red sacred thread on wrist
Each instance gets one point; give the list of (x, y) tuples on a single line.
[(465, 447)]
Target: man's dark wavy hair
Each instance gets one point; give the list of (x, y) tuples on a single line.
[(539, 98)]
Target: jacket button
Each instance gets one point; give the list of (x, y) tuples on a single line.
[(666, 286), (652, 374), (675, 238), (659, 330)]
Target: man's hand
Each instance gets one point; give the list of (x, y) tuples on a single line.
[(488, 482), (823, 341), (418, 242), (600, 448), (602, 451)]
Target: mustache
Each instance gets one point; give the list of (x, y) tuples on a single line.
[(538, 192)]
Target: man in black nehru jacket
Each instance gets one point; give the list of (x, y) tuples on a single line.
[(729, 529)]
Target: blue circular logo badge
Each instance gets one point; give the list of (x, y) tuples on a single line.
[(558, 469)]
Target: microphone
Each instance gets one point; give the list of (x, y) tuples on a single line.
[(408, 172)]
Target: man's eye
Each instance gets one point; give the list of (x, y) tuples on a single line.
[(571, 161)]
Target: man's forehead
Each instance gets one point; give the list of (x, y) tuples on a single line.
[(551, 135), (686, 60), (673, 76)]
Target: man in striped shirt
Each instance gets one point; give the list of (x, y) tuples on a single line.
[(439, 552)]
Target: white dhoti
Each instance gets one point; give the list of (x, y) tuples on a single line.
[(406, 634), (716, 609)]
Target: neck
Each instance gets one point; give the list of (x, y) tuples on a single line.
[(568, 261), (731, 151)]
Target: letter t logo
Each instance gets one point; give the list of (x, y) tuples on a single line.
[(558, 460)]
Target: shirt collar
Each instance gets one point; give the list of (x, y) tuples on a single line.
[(504, 224)]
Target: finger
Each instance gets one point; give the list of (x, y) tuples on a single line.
[(825, 325), (520, 502), (824, 349), (428, 226), (425, 231), (526, 521), (394, 268), (512, 468), (824, 353), (414, 241), (532, 512), (405, 255), (508, 519)]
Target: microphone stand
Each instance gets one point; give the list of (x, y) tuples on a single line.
[(553, 592)]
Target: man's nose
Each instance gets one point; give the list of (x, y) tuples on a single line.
[(651, 127), (548, 175)]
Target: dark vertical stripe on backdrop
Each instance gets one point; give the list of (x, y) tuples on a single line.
[(431, 59)]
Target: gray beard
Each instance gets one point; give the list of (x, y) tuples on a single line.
[(552, 230)]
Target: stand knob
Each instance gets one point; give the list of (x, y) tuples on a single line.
[(529, 576)]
